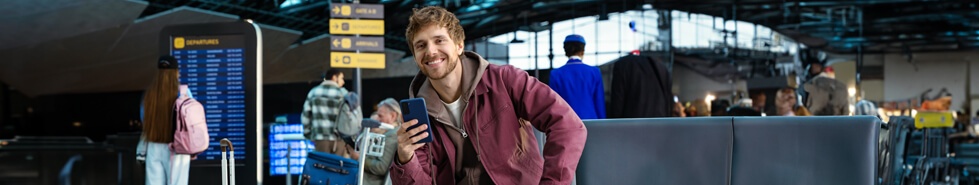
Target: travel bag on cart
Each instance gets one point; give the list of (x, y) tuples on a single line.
[(328, 169)]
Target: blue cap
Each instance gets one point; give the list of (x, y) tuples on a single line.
[(574, 38)]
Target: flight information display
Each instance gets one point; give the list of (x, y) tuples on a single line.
[(279, 147), (213, 67)]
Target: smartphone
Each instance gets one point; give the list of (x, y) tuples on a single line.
[(415, 108)]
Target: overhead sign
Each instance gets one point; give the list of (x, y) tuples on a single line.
[(357, 20), (343, 10), (368, 44), (353, 27), (357, 60)]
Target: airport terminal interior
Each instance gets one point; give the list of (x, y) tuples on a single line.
[(752, 92)]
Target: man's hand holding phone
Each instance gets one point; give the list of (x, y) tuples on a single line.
[(408, 140)]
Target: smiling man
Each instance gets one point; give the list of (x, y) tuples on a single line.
[(476, 110)]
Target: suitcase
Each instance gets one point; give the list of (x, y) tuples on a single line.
[(227, 166), (327, 169)]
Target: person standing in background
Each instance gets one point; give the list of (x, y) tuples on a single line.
[(163, 167), (824, 95), (326, 115), (641, 88), (864, 107), (388, 112), (578, 83), (758, 101)]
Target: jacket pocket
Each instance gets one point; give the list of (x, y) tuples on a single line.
[(494, 112)]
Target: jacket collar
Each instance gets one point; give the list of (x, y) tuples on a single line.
[(329, 83), (574, 60)]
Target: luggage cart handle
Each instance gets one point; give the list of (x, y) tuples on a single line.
[(226, 143)]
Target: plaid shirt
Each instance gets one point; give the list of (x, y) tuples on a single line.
[(321, 109)]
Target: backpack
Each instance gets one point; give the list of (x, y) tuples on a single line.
[(348, 120), (190, 135), (826, 96)]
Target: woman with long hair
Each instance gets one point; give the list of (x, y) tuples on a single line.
[(162, 166)]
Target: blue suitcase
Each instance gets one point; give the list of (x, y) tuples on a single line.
[(327, 169)]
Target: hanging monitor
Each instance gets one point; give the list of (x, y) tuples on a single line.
[(221, 64)]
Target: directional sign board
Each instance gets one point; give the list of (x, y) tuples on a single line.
[(364, 44), (361, 60), (368, 11), (355, 50), (351, 27)]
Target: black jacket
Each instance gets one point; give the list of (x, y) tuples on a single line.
[(641, 88)]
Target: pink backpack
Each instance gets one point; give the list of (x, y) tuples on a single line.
[(190, 136)]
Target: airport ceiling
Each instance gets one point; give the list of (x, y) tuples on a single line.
[(889, 26), (829, 25), (480, 18), (86, 46)]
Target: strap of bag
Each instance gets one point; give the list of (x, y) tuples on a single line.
[(336, 123), (179, 113)]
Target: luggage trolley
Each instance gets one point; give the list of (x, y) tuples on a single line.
[(331, 169)]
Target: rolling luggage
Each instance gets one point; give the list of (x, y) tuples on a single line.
[(328, 169), (323, 168), (227, 166)]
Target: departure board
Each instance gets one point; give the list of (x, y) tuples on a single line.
[(279, 147), (213, 67), (221, 64)]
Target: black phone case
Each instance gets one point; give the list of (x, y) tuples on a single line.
[(415, 108)]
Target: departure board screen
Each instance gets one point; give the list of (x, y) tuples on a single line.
[(213, 67), (279, 147)]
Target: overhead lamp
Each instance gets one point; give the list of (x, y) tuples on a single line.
[(515, 40)]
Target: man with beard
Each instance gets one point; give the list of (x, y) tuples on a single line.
[(475, 110)]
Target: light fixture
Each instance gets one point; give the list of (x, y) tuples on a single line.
[(515, 40)]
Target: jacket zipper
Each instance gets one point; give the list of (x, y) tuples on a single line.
[(461, 130)]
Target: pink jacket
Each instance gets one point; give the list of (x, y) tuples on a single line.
[(508, 150)]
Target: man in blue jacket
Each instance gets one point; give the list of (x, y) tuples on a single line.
[(578, 83)]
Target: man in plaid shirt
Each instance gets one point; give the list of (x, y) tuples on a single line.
[(322, 109)]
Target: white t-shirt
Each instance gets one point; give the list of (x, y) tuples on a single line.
[(455, 109)]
